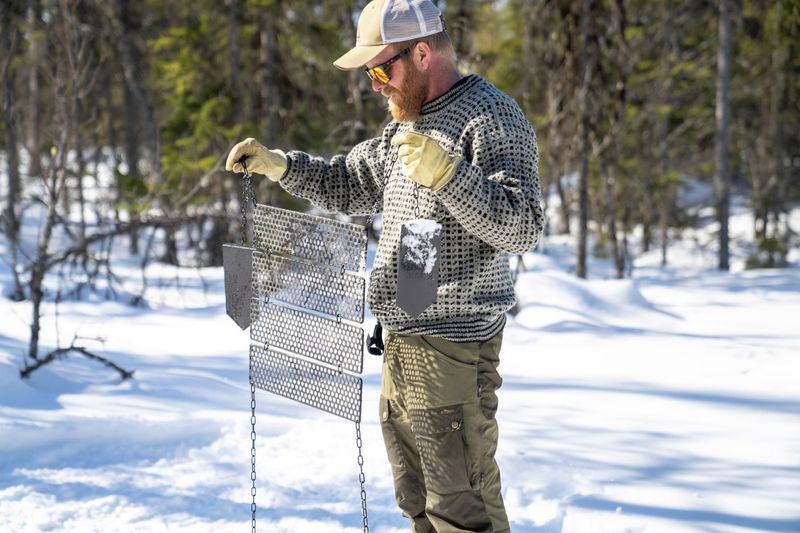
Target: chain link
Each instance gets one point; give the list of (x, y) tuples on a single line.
[(253, 450), (248, 196), (362, 479)]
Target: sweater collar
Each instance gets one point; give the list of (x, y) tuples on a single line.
[(452, 94)]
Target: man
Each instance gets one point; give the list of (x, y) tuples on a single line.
[(461, 152)]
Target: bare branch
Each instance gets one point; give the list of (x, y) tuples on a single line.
[(60, 353)]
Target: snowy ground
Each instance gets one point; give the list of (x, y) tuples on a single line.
[(666, 402)]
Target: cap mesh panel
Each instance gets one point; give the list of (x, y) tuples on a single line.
[(410, 19)]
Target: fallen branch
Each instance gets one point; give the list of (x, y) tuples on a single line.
[(60, 353)]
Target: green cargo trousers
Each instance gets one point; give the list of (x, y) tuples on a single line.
[(437, 412)]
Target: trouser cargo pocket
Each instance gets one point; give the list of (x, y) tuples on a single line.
[(440, 439)]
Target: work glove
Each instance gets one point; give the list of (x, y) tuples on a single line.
[(271, 163), (425, 161)]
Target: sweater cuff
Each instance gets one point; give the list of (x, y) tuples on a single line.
[(288, 166), (291, 176)]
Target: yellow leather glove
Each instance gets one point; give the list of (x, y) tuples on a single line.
[(425, 161), (271, 163)]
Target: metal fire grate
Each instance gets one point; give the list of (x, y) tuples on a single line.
[(314, 287), (316, 239), (336, 343), (302, 292), (306, 382)]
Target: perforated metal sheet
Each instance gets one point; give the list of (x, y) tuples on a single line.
[(306, 382), (313, 287), (336, 343), (309, 237)]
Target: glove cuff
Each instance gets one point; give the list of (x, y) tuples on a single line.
[(449, 171), (278, 165)]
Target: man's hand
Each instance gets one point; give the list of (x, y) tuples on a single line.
[(271, 163), (425, 161)]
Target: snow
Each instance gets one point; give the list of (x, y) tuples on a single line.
[(665, 402), (418, 243)]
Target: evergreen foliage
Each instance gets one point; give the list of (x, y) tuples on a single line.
[(208, 73)]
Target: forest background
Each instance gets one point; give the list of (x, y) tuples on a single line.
[(632, 100)]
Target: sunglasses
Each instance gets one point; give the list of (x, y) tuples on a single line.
[(380, 73)]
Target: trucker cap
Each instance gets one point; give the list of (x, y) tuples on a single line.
[(383, 22)]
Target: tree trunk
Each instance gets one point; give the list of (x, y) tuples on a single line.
[(130, 130), (8, 42), (722, 178), (559, 61), (619, 24), (647, 235), (11, 224), (235, 78), (667, 200), (268, 53), (611, 217), (220, 230), (80, 172), (132, 72), (778, 186), (34, 109), (625, 253), (170, 246), (564, 227), (139, 119), (554, 114), (583, 139), (664, 215), (56, 181)]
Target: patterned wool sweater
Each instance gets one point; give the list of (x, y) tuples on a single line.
[(489, 208)]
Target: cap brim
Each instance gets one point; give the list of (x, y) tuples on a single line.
[(359, 56)]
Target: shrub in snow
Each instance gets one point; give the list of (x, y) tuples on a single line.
[(771, 253)]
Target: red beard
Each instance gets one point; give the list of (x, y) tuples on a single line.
[(406, 102)]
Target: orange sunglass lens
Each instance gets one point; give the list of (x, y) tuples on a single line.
[(379, 75)]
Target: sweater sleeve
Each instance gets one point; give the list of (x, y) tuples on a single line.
[(494, 193), (350, 184)]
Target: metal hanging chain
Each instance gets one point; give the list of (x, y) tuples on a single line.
[(253, 449), (248, 195), (362, 479)]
